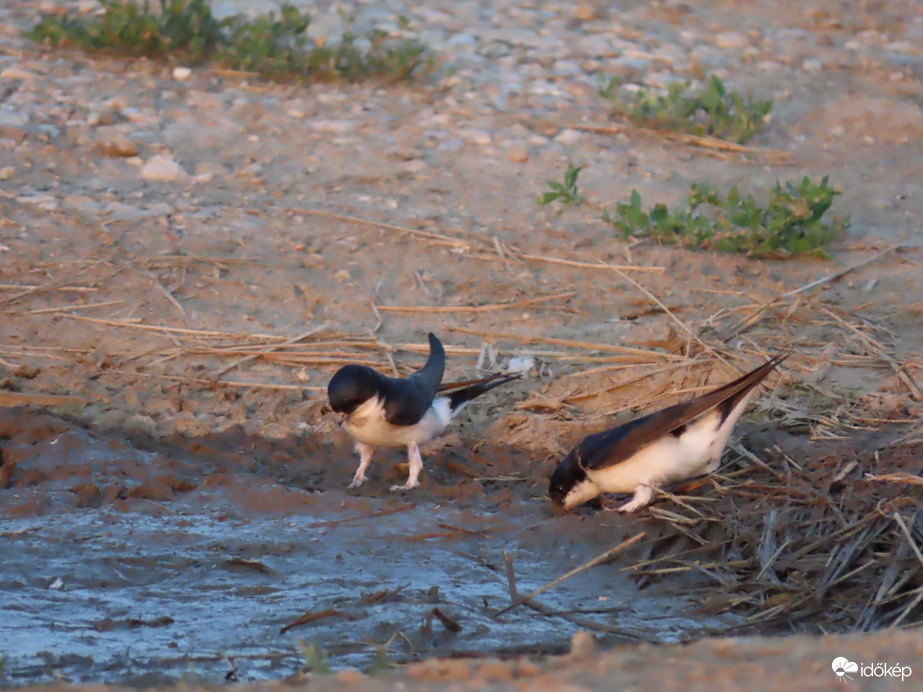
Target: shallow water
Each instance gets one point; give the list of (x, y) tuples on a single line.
[(145, 589)]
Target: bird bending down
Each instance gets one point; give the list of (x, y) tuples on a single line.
[(382, 411), (672, 444)]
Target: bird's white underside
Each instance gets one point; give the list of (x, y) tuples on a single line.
[(670, 458), (367, 425)]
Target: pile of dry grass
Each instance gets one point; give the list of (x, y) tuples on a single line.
[(831, 546)]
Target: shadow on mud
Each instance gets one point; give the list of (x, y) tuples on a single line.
[(139, 561)]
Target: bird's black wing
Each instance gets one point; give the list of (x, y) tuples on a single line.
[(446, 386), (407, 400), (477, 387), (618, 444)]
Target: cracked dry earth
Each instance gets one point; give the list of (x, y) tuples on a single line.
[(191, 259)]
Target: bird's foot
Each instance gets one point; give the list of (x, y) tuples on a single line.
[(631, 506), (365, 457), (406, 486), (643, 495)]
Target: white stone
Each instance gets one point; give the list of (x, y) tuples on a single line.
[(812, 65), (568, 136), (47, 202), (520, 364), (14, 72), (476, 136), (323, 125), (162, 168), (730, 40)]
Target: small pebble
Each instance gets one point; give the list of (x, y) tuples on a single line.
[(585, 12), (812, 65), (14, 72), (520, 364), (114, 143), (518, 154), (568, 136), (162, 168), (731, 40)]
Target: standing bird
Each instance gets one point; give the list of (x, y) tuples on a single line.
[(674, 443), (382, 411)]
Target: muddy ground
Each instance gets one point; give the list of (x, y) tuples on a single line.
[(190, 501)]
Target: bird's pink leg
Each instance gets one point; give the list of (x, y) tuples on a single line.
[(365, 456), (643, 495), (416, 465)]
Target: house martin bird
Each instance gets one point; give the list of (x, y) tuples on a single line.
[(672, 444), (380, 411)]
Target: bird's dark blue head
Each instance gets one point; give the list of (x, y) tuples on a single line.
[(570, 485), (352, 386)]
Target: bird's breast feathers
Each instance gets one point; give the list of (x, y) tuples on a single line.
[(367, 424)]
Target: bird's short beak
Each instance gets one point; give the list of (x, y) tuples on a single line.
[(558, 509)]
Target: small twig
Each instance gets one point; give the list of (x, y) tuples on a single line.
[(32, 290), (67, 308), (163, 289), (510, 577), (551, 612), (896, 478), (212, 382), (774, 155), (386, 227), (585, 345), (900, 521), (477, 308), (312, 616), (359, 517), (447, 622), (882, 353), (378, 317), (62, 289), (598, 560), (270, 349), (586, 265), (176, 330), (756, 316), (686, 328), (387, 350), (181, 259), (231, 675)]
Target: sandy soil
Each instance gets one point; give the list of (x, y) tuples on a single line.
[(197, 313)]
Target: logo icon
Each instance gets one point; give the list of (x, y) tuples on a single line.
[(842, 667)]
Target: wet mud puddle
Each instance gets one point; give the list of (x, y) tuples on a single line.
[(193, 586)]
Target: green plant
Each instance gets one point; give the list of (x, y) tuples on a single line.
[(711, 111), (566, 193), (791, 223), (184, 28), (315, 660), (273, 45)]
